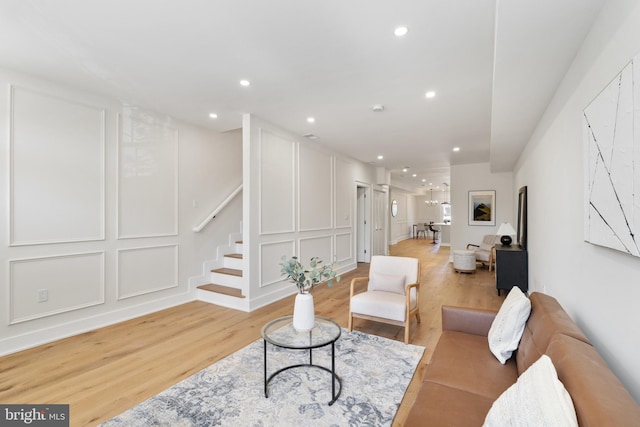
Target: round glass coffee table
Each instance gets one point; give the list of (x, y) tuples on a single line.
[(281, 333)]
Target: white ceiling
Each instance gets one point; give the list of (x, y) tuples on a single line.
[(494, 67)]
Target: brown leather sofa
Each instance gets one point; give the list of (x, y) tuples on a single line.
[(464, 378)]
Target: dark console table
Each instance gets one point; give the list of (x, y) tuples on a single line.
[(511, 268)]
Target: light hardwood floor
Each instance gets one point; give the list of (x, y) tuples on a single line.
[(105, 372)]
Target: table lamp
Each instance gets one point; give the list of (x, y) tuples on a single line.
[(506, 231)]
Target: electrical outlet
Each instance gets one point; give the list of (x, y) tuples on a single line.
[(43, 295)]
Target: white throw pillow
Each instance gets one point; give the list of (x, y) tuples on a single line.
[(538, 399), (508, 325), (387, 283)]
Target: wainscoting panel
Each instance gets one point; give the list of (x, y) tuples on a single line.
[(147, 176), (145, 270), (277, 180), (344, 247), (315, 202), (270, 259), (344, 194), (45, 286), (316, 246), (56, 169)]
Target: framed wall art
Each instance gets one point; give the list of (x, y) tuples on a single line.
[(522, 217), (612, 156), (482, 207)]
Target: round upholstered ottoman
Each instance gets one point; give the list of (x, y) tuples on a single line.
[(464, 261)]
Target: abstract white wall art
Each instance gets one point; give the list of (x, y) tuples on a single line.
[(612, 164)]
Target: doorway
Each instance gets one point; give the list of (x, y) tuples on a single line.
[(379, 223), (363, 221)]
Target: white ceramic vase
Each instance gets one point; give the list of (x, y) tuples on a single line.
[(303, 312)]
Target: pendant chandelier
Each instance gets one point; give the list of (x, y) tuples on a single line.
[(431, 202), (446, 195)]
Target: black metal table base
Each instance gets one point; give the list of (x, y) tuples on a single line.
[(334, 377)]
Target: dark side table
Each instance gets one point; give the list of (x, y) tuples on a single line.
[(511, 268)]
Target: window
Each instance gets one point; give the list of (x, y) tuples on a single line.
[(446, 213)]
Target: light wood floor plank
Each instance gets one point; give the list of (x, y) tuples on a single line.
[(105, 372)]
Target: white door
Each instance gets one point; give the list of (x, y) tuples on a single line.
[(363, 233), (379, 221)]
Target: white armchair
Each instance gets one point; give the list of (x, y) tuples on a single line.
[(392, 293), (485, 252)]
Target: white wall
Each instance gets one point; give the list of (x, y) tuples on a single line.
[(412, 209), (401, 224), (598, 286), (478, 177), (98, 209), (300, 199), (427, 212)]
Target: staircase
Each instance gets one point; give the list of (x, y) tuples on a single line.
[(222, 282)]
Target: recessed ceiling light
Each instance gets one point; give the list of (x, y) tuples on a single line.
[(430, 94), (245, 83), (310, 120), (456, 149), (400, 31), (414, 175), (380, 157), (405, 169), (213, 115), (431, 183), (424, 180)]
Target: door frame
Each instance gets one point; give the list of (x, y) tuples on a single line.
[(362, 230)]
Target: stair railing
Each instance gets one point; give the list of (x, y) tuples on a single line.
[(217, 210)]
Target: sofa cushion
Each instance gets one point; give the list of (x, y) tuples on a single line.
[(482, 255), (538, 398), (437, 405), (470, 320), (463, 361), (598, 396), (387, 305), (547, 319), (387, 283), (506, 329)]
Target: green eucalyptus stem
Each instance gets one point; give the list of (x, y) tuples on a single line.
[(306, 279)]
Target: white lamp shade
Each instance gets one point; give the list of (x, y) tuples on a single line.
[(506, 229)]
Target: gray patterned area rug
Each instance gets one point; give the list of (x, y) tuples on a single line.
[(375, 373)]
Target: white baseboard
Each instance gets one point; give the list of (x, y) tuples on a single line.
[(43, 336)]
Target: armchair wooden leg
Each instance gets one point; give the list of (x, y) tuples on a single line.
[(418, 316), (406, 332), (350, 322)]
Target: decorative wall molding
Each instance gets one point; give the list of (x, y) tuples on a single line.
[(343, 240), (148, 179), (56, 169), (72, 281), (144, 270), (316, 246), (315, 171), (277, 168), (343, 195), (270, 259)]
